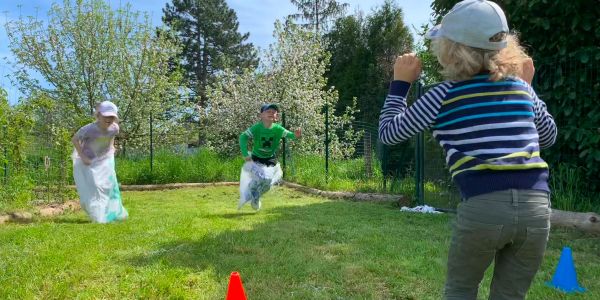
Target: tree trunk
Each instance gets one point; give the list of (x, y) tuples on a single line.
[(588, 222)]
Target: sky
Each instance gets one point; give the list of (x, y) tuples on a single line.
[(255, 16)]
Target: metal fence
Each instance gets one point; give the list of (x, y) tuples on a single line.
[(414, 168), (42, 167), (417, 167)]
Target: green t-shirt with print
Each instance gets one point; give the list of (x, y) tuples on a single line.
[(266, 140)]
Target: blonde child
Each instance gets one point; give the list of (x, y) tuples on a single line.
[(94, 166), (261, 169), (491, 125)]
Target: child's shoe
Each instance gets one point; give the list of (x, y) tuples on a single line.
[(255, 198), (255, 203)]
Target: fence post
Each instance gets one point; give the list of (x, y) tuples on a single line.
[(419, 158), (284, 144), (5, 129), (384, 166), (326, 143), (151, 145), (368, 155)]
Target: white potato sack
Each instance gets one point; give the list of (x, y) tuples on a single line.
[(255, 180)]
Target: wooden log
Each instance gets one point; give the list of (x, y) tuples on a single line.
[(349, 195), (588, 222), (166, 186), (170, 186)]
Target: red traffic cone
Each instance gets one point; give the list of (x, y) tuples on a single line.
[(235, 290)]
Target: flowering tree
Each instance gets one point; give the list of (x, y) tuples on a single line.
[(87, 53), (292, 75)]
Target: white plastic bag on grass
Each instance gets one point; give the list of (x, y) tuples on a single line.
[(421, 209), (255, 180), (98, 189)]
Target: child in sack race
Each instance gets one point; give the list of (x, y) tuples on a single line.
[(94, 166), (261, 169)]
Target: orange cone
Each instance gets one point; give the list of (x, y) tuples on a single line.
[(235, 290)]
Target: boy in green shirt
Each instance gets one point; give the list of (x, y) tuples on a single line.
[(266, 136)]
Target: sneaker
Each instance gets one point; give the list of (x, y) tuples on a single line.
[(255, 204), (255, 198)]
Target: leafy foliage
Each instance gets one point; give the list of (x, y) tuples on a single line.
[(363, 51), (15, 123), (88, 53), (563, 40)]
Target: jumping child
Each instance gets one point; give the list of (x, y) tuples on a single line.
[(261, 169), (94, 166)]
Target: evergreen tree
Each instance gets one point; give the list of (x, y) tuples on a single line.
[(208, 32), (318, 12), (363, 52)]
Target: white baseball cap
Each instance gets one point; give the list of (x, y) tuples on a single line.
[(472, 23), (108, 109)]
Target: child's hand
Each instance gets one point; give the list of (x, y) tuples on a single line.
[(407, 67), (248, 158), (86, 161), (298, 133), (528, 70)]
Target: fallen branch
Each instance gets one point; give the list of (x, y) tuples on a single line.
[(170, 186), (588, 222), (349, 195)]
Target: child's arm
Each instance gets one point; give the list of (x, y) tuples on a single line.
[(112, 139), (296, 134), (77, 144), (244, 144), (398, 123), (544, 123), (527, 70)]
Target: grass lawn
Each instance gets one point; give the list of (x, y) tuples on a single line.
[(183, 244)]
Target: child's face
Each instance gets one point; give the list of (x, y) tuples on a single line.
[(105, 122), (269, 115)]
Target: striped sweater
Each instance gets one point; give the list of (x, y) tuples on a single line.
[(491, 132)]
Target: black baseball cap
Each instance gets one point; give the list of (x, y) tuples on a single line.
[(269, 106)]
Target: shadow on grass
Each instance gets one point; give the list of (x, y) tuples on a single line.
[(236, 215), (319, 250), (66, 221)]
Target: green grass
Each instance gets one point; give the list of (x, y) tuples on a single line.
[(567, 183), (183, 244), (569, 190), (202, 166), (344, 175)]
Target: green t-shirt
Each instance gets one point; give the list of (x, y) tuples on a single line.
[(266, 140)]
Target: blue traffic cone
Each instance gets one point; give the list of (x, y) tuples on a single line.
[(565, 277)]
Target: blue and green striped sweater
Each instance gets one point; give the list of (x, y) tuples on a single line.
[(491, 132)]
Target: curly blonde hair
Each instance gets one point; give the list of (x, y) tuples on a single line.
[(460, 62)]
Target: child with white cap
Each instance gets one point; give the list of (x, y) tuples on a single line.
[(492, 126), (94, 166)]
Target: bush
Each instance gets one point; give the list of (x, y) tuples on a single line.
[(16, 192)]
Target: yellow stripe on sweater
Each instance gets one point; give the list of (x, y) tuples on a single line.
[(484, 94), (466, 159), (541, 165)]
